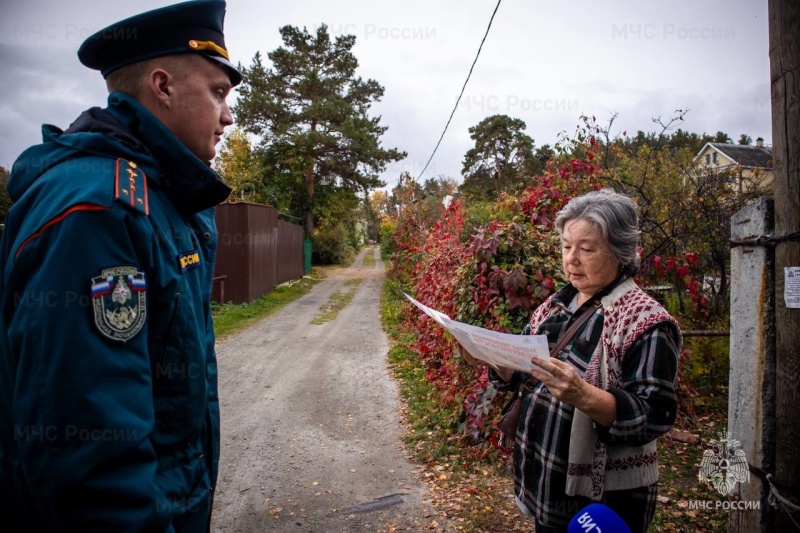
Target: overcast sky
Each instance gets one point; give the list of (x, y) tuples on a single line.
[(545, 62)]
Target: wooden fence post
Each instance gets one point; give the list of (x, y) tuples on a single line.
[(784, 55)]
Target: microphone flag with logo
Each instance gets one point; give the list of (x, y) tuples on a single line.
[(597, 518)]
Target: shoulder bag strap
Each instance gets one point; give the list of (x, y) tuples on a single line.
[(525, 386), (573, 329)]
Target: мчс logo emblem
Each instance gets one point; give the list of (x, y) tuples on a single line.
[(119, 298), (725, 465)]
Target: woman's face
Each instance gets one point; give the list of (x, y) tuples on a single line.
[(587, 259)]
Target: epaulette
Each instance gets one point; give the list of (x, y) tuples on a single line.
[(130, 186)]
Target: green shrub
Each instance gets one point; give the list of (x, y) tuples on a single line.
[(708, 365), (386, 231), (330, 246)]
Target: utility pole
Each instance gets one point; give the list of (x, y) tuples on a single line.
[(784, 58)]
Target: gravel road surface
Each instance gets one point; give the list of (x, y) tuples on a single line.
[(310, 430)]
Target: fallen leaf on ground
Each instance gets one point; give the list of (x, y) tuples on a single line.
[(683, 436)]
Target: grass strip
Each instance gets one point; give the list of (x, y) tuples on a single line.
[(474, 494), (337, 301), (231, 318), (369, 259)]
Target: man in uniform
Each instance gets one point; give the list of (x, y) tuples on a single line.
[(109, 417)]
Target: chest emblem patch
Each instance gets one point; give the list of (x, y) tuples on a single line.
[(119, 299), (189, 260)]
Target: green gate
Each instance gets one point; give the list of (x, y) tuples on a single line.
[(307, 255)]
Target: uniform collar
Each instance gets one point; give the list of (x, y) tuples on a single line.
[(191, 184)]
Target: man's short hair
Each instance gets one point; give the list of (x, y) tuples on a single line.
[(131, 79)]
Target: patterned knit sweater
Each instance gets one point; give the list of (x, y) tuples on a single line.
[(593, 466)]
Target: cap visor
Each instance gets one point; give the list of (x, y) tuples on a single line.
[(235, 75)]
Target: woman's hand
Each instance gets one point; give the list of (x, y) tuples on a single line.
[(504, 373), (567, 386), (468, 357)]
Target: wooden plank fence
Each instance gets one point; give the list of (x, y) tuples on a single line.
[(256, 252)]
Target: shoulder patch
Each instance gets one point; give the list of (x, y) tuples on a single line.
[(130, 185), (119, 297)]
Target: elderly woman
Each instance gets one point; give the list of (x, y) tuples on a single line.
[(592, 414)]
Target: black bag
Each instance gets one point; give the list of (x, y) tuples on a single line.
[(509, 416)]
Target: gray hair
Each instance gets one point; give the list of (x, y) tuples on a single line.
[(615, 217)]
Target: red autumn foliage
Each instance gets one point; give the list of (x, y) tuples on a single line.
[(494, 278)]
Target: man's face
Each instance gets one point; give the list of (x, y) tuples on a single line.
[(200, 113)]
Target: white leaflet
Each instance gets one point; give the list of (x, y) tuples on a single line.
[(497, 349)]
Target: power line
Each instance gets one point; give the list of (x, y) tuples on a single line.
[(462, 91)]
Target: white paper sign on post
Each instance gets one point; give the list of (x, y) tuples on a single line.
[(791, 287)]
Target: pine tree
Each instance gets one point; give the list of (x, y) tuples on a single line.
[(312, 113), (502, 158)]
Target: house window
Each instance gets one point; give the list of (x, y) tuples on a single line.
[(708, 159), (714, 157)]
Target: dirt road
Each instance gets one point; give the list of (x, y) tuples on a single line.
[(310, 431)]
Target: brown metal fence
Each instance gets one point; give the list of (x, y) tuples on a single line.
[(256, 252)]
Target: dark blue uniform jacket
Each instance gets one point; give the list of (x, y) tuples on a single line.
[(109, 417)]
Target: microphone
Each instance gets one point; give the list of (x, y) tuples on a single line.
[(597, 518)]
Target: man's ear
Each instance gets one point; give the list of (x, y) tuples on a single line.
[(159, 85)]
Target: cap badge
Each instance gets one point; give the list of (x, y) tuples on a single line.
[(208, 45)]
